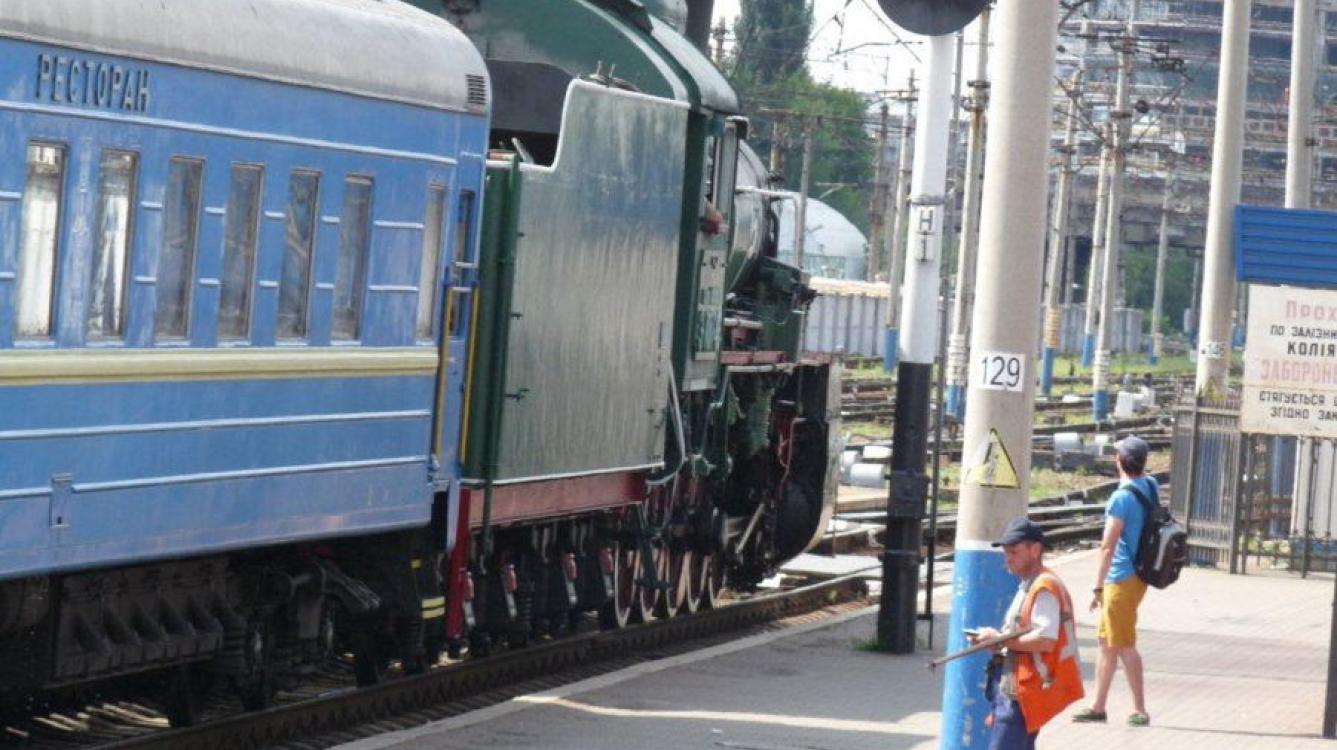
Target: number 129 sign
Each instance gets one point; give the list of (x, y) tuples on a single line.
[(1000, 371)]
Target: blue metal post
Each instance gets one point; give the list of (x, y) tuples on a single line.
[(956, 401), (1088, 350), (1047, 371), (1100, 405), (890, 340)]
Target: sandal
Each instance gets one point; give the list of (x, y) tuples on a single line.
[(1139, 720), (1089, 716)]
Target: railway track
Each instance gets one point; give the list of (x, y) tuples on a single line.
[(330, 711)]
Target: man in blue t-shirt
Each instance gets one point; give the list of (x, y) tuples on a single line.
[(1119, 590)]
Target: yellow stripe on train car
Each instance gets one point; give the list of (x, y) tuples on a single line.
[(69, 366)]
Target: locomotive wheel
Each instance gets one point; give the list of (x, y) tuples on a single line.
[(712, 580), (696, 580), (679, 580), (648, 600), (616, 612)]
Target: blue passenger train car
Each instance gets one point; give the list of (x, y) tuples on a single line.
[(237, 253)]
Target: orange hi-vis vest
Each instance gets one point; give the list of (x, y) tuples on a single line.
[(1048, 682)]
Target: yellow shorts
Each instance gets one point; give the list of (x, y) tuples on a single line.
[(1118, 612)]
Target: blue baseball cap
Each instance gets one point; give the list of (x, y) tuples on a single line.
[(1132, 448), (1021, 529)]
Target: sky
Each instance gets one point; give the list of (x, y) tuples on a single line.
[(855, 46)]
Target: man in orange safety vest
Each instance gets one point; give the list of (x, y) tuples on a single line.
[(1035, 676)]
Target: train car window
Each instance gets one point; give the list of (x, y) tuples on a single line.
[(459, 255), (350, 278), (241, 238), (111, 250), (176, 263), (431, 256), (712, 145), (295, 284), (727, 171), (41, 237)]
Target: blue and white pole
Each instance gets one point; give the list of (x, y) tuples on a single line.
[(1099, 224), (996, 457), (1058, 240), (1121, 118), (1162, 252), (958, 345)]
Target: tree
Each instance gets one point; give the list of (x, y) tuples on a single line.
[(768, 69), (772, 38)]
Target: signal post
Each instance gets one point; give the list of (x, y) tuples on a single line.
[(1001, 389), (917, 347)]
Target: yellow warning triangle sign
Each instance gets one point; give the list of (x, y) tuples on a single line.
[(993, 466)]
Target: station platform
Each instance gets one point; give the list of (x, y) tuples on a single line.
[(1235, 662)]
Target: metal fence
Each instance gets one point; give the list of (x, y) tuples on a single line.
[(1252, 500)]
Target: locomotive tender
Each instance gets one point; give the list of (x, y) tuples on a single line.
[(291, 363)]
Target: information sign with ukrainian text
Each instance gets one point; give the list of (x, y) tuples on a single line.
[(1290, 363)]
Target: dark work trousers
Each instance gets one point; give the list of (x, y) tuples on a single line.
[(1009, 726)]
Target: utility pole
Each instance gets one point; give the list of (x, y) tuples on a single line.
[(877, 209), (900, 232), (1195, 298), (801, 211), (1058, 242), (1299, 136), (1123, 119), (1099, 223), (958, 350), (1227, 156), (918, 348), (1162, 250), (1069, 270), (996, 455), (1299, 194), (719, 34)]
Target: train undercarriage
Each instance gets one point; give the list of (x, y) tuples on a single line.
[(744, 498)]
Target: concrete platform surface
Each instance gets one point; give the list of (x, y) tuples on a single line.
[(1232, 662)]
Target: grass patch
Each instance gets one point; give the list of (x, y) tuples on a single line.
[(1175, 364), (869, 430), (1044, 483), (871, 646)]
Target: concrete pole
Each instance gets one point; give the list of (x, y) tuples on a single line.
[(1122, 117), (1099, 223), (878, 205), (801, 212), (1218, 283), (958, 351), (1162, 251), (918, 348), (1299, 179), (1299, 136), (1195, 300), (1058, 241), (896, 266), (1069, 268), (777, 162), (996, 458)]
